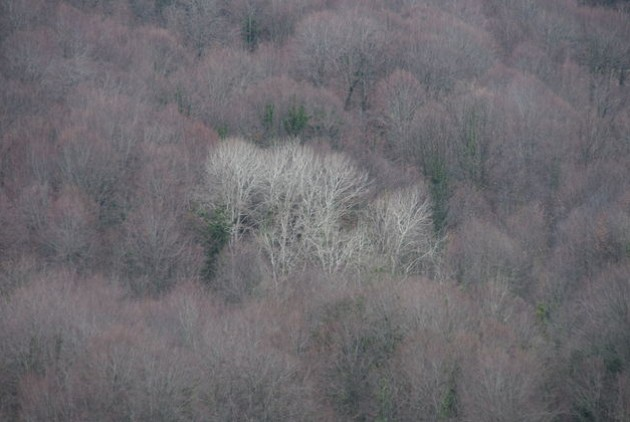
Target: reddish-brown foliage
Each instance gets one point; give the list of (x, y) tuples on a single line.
[(514, 116)]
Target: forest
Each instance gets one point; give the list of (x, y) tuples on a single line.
[(315, 210)]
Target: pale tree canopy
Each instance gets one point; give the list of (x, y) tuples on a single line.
[(309, 209)]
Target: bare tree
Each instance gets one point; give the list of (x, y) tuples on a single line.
[(398, 98), (402, 230), (348, 47), (200, 22), (70, 236), (502, 385), (233, 176)]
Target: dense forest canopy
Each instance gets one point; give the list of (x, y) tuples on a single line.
[(317, 210)]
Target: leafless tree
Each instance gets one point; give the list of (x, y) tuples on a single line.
[(402, 229), (347, 47)]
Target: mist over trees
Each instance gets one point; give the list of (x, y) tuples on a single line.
[(286, 210)]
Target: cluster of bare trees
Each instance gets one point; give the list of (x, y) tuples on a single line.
[(304, 208)]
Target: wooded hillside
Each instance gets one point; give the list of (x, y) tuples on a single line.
[(315, 210)]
